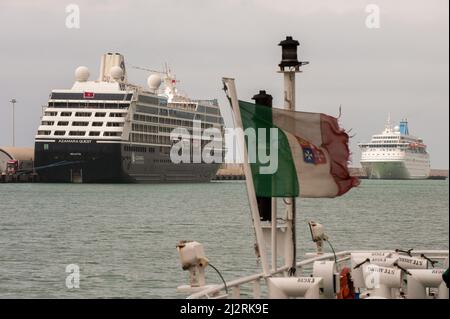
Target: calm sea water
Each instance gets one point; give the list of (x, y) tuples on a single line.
[(123, 237)]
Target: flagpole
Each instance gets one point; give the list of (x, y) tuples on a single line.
[(289, 66), (231, 91), (289, 104)]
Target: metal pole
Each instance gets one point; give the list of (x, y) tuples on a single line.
[(13, 101), (231, 91), (14, 142), (274, 234), (289, 104)]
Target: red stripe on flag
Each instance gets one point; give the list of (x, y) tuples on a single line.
[(335, 141)]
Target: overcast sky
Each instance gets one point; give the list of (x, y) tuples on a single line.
[(401, 67)]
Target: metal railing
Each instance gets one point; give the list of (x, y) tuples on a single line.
[(234, 286)]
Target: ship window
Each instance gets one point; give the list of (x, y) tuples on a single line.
[(77, 133), (60, 133), (211, 119), (146, 109), (60, 104), (50, 113), (97, 123), (63, 123), (66, 113), (100, 114), (114, 124), (116, 114), (80, 123), (112, 133), (148, 99), (94, 133), (84, 114), (48, 122), (41, 132)]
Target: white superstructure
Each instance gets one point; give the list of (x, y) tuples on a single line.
[(395, 154), (110, 130)]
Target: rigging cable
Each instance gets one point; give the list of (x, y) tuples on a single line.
[(332, 249), (220, 275)]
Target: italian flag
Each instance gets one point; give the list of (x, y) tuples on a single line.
[(313, 153)]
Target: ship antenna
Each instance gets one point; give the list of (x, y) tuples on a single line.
[(388, 122)]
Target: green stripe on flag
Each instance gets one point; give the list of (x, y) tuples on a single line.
[(284, 182)]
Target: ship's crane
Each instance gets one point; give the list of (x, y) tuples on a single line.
[(146, 69), (169, 81)]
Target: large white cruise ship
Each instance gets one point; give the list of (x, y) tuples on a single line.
[(111, 130), (395, 154)]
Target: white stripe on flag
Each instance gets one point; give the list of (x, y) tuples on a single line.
[(302, 124), (314, 180)]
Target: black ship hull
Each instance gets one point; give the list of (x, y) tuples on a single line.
[(88, 161)]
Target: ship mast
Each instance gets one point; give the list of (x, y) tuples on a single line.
[(289, 66)]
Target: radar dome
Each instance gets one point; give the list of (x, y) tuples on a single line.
[(82, 74), (154, 81), (397, 128), (116, 72)]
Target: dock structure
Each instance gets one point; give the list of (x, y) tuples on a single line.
[(236, 172), (230, 172), (17, 164)]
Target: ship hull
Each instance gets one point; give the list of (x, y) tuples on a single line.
[(92, 162), (393, 170)]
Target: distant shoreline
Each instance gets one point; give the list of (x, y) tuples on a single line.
[(235, 172)]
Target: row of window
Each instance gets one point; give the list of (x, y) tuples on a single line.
[(208, 110), (154, 139), (177, 114), (84, 114), (385, 137), (78, 133), (384, 145), (162, 161), (180, 105), (96, 95), (79, 123), (141, 149), (168, 121), (145, 128), (78, 105), (383, 141)]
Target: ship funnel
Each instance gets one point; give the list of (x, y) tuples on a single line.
[(404, 127), (109, 68)]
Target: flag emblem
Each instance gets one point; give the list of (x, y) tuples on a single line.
[(308, 155), (311, 153), (319, 155)]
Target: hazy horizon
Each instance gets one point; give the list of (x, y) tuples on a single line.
[(400, 68)]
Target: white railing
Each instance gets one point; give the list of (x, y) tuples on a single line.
[(233, 287)]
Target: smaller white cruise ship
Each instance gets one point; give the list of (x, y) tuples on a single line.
[(395, 154)]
